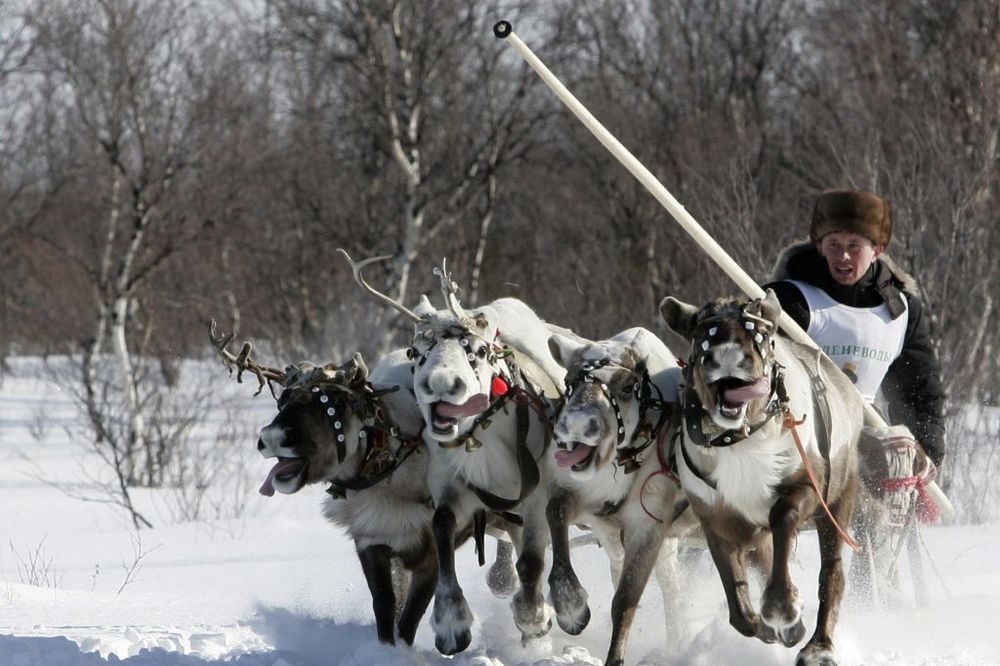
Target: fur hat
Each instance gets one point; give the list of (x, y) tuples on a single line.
[(861, 213)]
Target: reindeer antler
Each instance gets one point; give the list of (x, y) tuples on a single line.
[(356, 267), (450, 290), (242, 361)]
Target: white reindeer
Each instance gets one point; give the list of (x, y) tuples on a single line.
[(612, 473), (480, 380)]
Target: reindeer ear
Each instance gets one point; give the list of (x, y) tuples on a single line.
[(359, 363), (352, 373), (680, 316), (298, 373), (562, 349), (770, 307), (424, 307)]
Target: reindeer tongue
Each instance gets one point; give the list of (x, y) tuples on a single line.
[(566, 458), (477, 404), (759, 389), (284, 466)]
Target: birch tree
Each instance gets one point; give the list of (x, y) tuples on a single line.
[(120, 72), (417, 90)]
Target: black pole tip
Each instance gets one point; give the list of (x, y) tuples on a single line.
[(502, 29)]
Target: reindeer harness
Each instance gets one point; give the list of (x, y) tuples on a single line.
[(378, 460), (778, 402), (629, 456)]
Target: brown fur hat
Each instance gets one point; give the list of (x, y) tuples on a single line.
[(861, 213)]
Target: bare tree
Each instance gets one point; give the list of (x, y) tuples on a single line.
[(417, 91)]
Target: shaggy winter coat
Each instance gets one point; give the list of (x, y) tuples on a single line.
[(912, 387)]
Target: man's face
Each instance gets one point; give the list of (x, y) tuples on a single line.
[(847, 255)]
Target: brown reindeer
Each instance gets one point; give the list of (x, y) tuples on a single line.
[(359, 432), (769, 437)]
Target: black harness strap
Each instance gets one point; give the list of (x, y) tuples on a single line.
[(526, 465), (362, 481), (821, 405), (694, 469)]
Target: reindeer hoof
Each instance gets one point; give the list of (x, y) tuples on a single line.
[(530, 616), (570, 601), (793, 634), (782, 611), (816, 654), (453, 643), (452, 623), (502, 580), (575, 622), (767, 634), (527, 637)]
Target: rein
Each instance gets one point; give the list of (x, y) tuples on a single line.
[(791, 424)]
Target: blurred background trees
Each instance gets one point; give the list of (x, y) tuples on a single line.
[(166, 162)]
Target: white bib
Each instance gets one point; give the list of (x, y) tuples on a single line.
[(863, 342)]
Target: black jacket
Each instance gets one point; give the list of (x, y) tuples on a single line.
[(912, 386)]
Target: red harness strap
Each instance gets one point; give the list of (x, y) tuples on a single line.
[(927, 510)]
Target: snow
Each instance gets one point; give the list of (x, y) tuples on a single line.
[(266, 582)]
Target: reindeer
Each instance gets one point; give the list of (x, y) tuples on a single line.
[(360, 434), (612, 473), (760, 456), (477, 377)]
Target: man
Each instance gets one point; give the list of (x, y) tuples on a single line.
[(866, 314), (865, 311)]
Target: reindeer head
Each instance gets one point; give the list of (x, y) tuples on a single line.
[(454, 357), (731, 367), (320, 415), (455, 361), (605, 384)]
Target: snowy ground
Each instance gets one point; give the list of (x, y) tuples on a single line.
[(273, 585)]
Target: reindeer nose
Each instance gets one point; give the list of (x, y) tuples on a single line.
[(260, 444), (442, 386), (577, 427)]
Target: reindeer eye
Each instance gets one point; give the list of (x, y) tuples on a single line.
[(482, 352)]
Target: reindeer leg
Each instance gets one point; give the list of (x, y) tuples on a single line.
[(423, 578), (452, 617), (780, 606), (667, 570), (376, 563), (641, 551), (502, 578), (528, 604), (565, 590), (819, 650), (728, 560)]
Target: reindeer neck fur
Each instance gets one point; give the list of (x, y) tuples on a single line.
[(396, 511)]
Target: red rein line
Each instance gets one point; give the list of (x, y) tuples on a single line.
[(791, 423), (664, 470)]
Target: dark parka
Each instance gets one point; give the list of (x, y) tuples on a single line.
[(912, 387)]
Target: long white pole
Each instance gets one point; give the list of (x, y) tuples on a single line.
[(503, 30)]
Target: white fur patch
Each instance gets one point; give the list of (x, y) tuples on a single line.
[(745, 474)]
